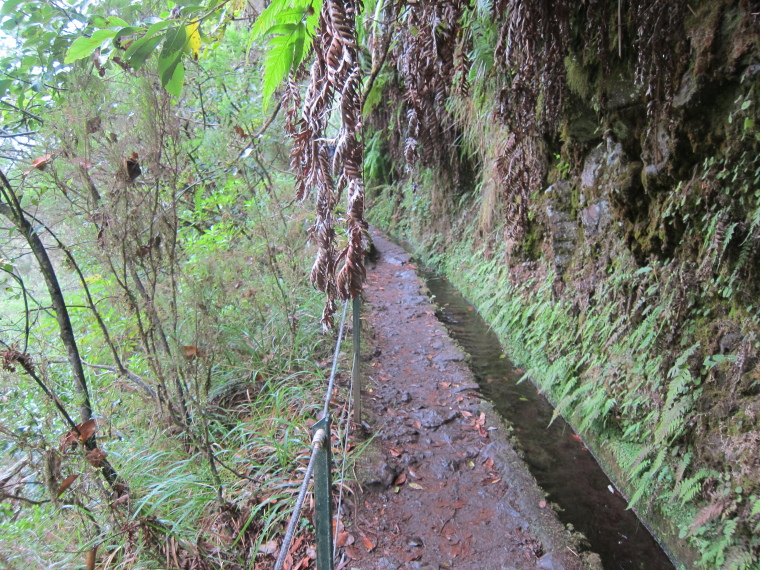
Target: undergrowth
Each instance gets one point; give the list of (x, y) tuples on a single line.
[(196, 262)]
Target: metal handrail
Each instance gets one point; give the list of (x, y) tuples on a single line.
[(320, 440)]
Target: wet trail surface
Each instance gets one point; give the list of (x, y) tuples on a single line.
[(557, 458), (443, 487)]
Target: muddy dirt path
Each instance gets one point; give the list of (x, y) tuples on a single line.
[(443, 488)]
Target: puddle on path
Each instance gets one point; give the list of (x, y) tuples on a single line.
[(558, 461)]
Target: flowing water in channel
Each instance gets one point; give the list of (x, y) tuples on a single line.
[(555, 456)]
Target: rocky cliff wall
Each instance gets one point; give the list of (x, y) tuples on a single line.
[(598, 198)]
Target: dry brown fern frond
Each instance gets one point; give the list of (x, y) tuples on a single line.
[(335, 72)]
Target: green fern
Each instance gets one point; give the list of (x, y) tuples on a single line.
[(644, 485), (626, 454), (691, 487), (683, 465), (740, 559), (715, 554), (755, 507), (290, 25), (596, 408), (672, 422)]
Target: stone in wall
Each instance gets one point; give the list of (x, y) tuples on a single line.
[(656, 157), (607, 175), (595, 218), (563, 229), (605, 171)]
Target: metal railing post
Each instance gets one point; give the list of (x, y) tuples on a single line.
[(356, 381), (323, 497)]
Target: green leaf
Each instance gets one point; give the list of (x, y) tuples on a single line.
[(83, 47), (157, 27), (177, 79), (277, 65), (267, 18), (192, 10), (298, 45), (141, 49), (170, 67), (176, 39), (9, 24), (108, 22), (9, 6), (128, 31), (279, 29)]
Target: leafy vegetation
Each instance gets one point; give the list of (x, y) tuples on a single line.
[(595, 169), (168, 221)]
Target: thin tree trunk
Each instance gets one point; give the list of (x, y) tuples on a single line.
[(13, 212)]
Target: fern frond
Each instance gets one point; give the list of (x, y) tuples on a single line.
[(290, 25), (755, 507), (692, 486), (673, 422), (739, 558)]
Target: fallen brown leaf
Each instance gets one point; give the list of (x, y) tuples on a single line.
[(192, 352), (87, 429), (40, 163), (89, 558), (66, 484), (367, 543), (120, 501), (395, 452), (269, 548), (344, 538), (82, 432)]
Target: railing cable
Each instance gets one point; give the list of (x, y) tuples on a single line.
[(317, 442), (321, 437), (335, 361)]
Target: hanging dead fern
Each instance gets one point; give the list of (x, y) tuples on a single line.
[(425, 58), (335, 71), (530, 52)]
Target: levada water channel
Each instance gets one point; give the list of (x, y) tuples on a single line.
[(555, 456)]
